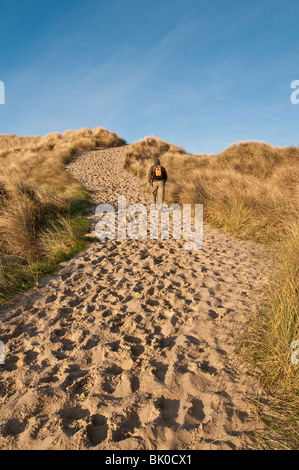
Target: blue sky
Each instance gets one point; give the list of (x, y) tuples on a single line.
[(202, 74)]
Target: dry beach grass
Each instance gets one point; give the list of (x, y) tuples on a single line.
[(41, 206)]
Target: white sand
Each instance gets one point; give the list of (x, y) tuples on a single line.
[(130, 344)]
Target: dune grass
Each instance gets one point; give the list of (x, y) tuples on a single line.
[(42, 206), (251, 191), (267, 346)]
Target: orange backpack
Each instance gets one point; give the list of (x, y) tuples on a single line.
[(157, 171)]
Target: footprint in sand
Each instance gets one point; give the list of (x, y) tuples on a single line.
[(97, 431), (122, 426), (72, 418)]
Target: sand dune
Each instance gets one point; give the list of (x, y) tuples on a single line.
[(130, 344)]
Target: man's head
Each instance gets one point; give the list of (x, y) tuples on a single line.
[(157, 161)]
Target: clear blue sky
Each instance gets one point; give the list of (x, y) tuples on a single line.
[(199, 73)]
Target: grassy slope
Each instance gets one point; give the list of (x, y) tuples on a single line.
[(42, 207), (251, 191)]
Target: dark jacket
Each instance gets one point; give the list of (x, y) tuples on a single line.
[(152, 178)]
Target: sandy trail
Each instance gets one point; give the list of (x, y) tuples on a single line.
[(129, 344)]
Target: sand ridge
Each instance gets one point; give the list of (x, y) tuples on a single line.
[(130, 344)]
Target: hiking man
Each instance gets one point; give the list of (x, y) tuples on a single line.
[(157, 177)]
